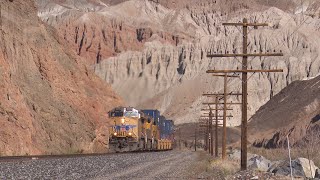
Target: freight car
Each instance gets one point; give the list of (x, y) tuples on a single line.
[(139, 130)]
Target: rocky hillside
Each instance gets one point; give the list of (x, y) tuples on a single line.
[(295, 111), (154, 52), (51, 103)]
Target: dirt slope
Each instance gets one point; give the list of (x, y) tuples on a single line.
[(50, 102), (295, 111)]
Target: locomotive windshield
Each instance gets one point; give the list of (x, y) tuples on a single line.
[(116, 114), (131, 114)]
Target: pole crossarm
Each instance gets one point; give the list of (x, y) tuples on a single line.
[(204, 125), (246, 55), (216, 109), (245, 24), (203, 122), (219, 121), (219, 125), (221, 103), (221, 75), (244, 71), (207, 119), (213, 94), (214, 115)]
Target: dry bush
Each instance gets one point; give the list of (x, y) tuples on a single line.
[(310, 145), (227, 167)]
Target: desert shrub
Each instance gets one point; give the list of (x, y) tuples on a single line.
[(227, 167)]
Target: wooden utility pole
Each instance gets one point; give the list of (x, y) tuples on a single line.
[(207, 135), (0, 17), (216, 151), (180, 138), (210, 132), (224, 135), (195, 138), (244, 72)]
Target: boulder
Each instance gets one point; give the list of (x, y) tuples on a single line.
[(317, 175), (300, 168), (306, 165), (275, 165), (259, 163), (235, 154)]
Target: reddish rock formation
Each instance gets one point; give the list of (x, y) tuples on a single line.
[(51, 103), (97, 32)]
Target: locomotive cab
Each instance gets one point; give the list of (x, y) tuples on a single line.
[(124, 129)]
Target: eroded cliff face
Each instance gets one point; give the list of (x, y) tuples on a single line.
[(50, 102), (101, 32), (173, 78), (164, 67)]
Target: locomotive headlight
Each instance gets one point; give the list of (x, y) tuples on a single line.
[(115, 133), (130, 134), (122, 120)]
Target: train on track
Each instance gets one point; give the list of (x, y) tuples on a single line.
[(139, 130)]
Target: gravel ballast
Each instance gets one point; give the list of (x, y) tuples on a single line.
[(148, 165)]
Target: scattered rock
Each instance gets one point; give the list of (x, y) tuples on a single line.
[(259, 163), (300, 168), (253, 175), (255, 161), (235, 154), (317, 175), (274, 165), (306, 164)]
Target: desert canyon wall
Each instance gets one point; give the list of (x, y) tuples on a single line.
[(51, 103)]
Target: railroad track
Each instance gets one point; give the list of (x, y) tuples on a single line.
[(26, 158), (39, 157)]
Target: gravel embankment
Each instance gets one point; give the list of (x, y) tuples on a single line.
[(149, 165)]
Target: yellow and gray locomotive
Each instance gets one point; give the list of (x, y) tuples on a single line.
[(135, 130)]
